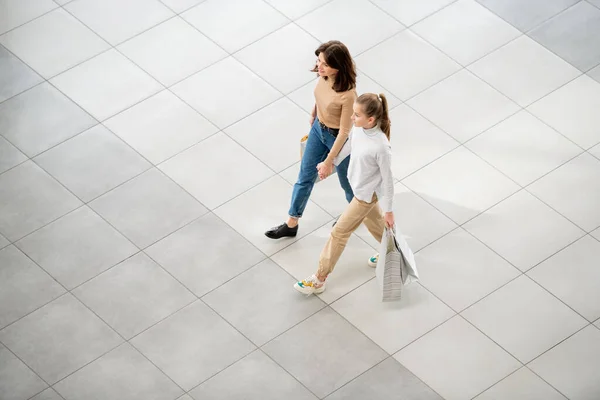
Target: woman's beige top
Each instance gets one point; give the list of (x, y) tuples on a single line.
[(334, 109)]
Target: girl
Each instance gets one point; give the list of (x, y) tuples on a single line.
[(331, 122), (370, 176)]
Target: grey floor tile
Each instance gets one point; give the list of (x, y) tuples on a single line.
[(411, 11), (594, 2), (192, 345), (134, 295), (148, 208), (574, 35), (123, 373), (196, 170), (10, 156), (161, 126), (117, 21), (29, 199), (53, 43), (92, 163), (262, 315), (77, 247), (107, 84), (388, 380), (522, 385), (17, 381), (572, 366), (41, 118), (324, 352), (16, 76), (180, 6), (59, 338), (172, 51), (234, 24), (15, 13), (205, 254), (3, 242), (48, 394), (23, 286), (526, 15), (256, 376)]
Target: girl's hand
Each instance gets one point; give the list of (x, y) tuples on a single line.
[(312, 120), (389, 219), (325, 169)]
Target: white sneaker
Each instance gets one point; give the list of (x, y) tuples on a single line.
[(311, 285), (373, 261)]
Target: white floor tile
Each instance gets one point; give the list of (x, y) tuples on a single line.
[(460, 270), (288, 68), (234, 24), (294, 9), (301, 260), (273, 133), (463, 105), (379, 24), (269, 203), (460, 185), (53, 43), (465, 31), (580, 175), (518, 228), (416, 142), (119, 20), (427, 67), (521, 385), (572, 366), (524, 70), (524, 319), (572, 110), (457, 360), (18, 12), (393, 325), (523, 147), (172, 51), (221, 80), (411, 11), (577, 286)]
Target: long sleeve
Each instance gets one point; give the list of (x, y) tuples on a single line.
[(384, 160), (345, 124)]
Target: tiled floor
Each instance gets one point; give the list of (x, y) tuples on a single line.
[(146, 145)]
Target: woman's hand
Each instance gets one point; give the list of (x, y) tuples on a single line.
[(325, 169), (389, 219), (312, 120)]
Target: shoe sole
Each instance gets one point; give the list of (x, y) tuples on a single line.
[(278, 237), (308, 291), (372, 264)]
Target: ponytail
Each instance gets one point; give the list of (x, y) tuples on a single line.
[(376, 106), (385, 122)]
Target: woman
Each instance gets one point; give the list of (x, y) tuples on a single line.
[(331, 122), (370, 175)]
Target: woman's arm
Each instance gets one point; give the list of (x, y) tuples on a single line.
[(345, 125)]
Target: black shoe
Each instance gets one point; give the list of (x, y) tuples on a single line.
[(281, 231)]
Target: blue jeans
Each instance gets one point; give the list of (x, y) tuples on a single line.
[(317, 148)]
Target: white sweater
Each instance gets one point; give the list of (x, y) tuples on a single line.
[(370, 169)]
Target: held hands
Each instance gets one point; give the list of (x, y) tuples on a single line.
[(325, 169), (389, 219), (312, 120)]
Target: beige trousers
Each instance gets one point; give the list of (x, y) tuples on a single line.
[(356, 213)]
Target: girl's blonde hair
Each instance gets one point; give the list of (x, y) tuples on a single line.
[(376, 106)]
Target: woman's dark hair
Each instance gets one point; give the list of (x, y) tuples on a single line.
[(376, 106), (337, 56)]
